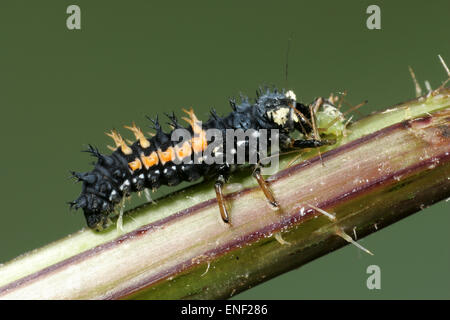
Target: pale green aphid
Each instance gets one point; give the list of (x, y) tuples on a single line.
[(330, 120)]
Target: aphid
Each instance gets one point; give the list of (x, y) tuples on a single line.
[(150, 162)]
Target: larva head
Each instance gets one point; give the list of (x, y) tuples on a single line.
[(281, 108), (284, 110)]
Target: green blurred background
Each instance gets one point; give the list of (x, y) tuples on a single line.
[(62, 89)]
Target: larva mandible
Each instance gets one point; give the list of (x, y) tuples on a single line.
[(149, 162)]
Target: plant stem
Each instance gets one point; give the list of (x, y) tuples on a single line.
[(390, 165)]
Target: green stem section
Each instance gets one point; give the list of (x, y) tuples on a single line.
[(389, 165)]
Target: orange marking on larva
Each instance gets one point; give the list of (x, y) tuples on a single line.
[(167, 155), (119, 142), (139, 136), (193, 121), (149, 160), (199, 143), (184, 151), (135, 165)]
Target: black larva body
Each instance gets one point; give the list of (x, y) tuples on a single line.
[(111, 179)]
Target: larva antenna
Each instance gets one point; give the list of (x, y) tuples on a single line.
[(286, 66)]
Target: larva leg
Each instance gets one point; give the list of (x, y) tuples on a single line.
[(218, 186), (119, 224), (263, 185), (311, 143), (303, 144)]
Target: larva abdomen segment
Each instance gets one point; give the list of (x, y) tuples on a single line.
[(151, 163)]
